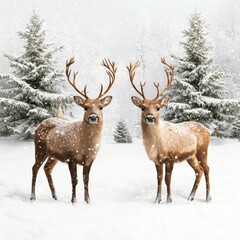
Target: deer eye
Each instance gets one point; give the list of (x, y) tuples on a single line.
[(100, 107), (158, 108), (85, 108), (143, 108)]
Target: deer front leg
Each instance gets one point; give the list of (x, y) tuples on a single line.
[(198, 172), (48, 167), (40, 158), (73, 171), (159, 169), (86, 171), (168, 175)]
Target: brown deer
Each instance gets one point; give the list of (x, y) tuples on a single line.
[(168, 143), (72, 142)]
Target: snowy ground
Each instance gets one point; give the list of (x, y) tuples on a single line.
[(122, 190)]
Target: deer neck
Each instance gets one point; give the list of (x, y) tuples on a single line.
[(153, 137), (92, 132), (151, 131)]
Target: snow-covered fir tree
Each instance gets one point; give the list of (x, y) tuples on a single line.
[(198, 89), (234, 86), (121, 133), (34, 90), (236, 128)]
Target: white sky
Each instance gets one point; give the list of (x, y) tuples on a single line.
[(77, 25), (80, 25), (89, 14)]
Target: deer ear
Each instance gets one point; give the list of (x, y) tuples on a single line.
[(106, 101), (137, 101), (79, 101), (164, 101)]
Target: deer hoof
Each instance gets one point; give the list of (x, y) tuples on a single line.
[(54, 197), (190, 198), (33, 197), (169, 200), (87, 200), (158, 200), (74, 200), (208, 198)]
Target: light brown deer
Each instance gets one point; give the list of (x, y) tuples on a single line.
[(168, 143), (73, 142)]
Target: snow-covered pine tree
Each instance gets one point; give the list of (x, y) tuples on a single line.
[(34, 90), (198, 89), (121, 133), (234, 86), (236, 128)]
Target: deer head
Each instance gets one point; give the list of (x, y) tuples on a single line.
[(150, 108), (93, 107)]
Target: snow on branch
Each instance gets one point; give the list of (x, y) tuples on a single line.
[(10, 104), (178, 106), (221, 102), (199, 112), (19, 63), (37, 96)]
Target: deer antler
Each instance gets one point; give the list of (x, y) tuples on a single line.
[(73, 83), (170, 76), (131, 69), (158, 90), (111, 71)]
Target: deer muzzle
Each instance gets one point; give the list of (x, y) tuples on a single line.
[(93, 118), (150, 119)]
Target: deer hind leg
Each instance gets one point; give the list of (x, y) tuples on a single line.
[(168, 175), (86, 171), (40, 157), (48, 167), (202, 158), (73, 171), (198, 171), (159, 169)]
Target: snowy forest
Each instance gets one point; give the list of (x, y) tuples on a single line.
[(212, 97), (67, 64)]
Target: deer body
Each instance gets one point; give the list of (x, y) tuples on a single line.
[(167, 143), (75, 141), (173, 142), (72, 142)]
